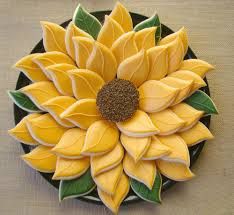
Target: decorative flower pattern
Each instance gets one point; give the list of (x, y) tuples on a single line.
[(71, 134)]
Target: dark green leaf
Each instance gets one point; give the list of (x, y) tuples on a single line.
[(151, 22), (86, 21), (76, 187), (201, 101), (23, 101), (145, 193)]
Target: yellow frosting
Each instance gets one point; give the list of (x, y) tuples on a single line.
[(41, 158), (198, 82), (174, 171), (45, 130), (60, 77), (40, 92), (85, 83), (53, 37), (103, 163), (103, 62), (101, 137), (121, 15), (124, 47), (145, 38), (196, 134), (187, 113), (67, 169), (113, 201), (30, 69), (46, 59), (156, 150), (179, 150), (136, 147), (71, 144), (158, 62), (182, 33), (83, 48), (73, 31), (56, 106), (200, 67), (155, 96), (184, 86), (110, 31), (82, 113), (134, 68), (167, 122), (139, 125), (143, 171), (108, 181), (20, 131)]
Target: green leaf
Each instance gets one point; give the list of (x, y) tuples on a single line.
[(145, 193), (76, 187), (201, 101), (150, 22), (23, 101), (86, 21)]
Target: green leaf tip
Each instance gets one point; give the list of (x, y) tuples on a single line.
[(201, 101), (86, 21)]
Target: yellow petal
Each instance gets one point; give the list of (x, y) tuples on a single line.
[(30, 69), (53, 37), (124, 47), (103, 163), (41, 158), (40, 92), (45, 130), (113, 201), (174, 171), (136, 147), (184, 86), (60, 77), (85, 83), (139, 125), (198, 82), (182, 33), (179, 150), (108, 181), (200, 67), (71, 144), (110, 31), (196, 134), (134, 68), (156, 150), (167, 122), (73, 31), (175, 54), (103, 62), (143, 171), (46, 59), (83, 48), (67, 169), (121, 15), (158, 62), (83, 113), (145, 38), (101, 137), (20, 131), (155, 96), (56, 106), (187, 113)]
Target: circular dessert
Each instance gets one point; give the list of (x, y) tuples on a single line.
[(112, 107)]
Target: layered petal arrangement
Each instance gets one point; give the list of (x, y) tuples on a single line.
[(112, 106)]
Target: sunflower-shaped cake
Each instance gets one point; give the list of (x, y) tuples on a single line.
[(112, 106)]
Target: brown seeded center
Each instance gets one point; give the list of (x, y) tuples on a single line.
[(118, 100)]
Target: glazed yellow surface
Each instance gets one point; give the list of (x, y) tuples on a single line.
[(145, 38)]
